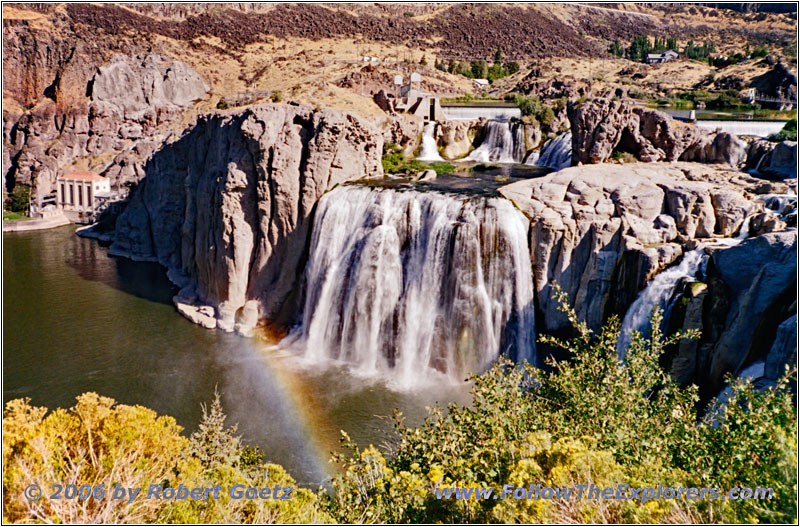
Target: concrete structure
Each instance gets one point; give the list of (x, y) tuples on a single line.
[(80, 193), (480, 84), (414, 101), (657, 58)]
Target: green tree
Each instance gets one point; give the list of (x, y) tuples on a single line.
[(639, 48), (498, 56), (616, 49), (212, 443), (20, 198), (479, 68)]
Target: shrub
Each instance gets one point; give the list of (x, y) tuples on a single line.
[(787, 133), (441, 168), (591, 418), (276, 96), (222, 104), (19, 198), (98, 442)]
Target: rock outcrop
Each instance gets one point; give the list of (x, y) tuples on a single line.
[(600, 232), (226, 207), (757, 280), (777, 160), (601, 126), (457, 137), (153, 82), (134, 103)]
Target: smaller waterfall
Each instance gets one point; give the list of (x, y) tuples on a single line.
[(428, 150), (784, 205), (657, 293), (503, 142), (556, 153), (661, 289)]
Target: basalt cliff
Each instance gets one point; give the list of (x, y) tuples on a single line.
[(228, 208)]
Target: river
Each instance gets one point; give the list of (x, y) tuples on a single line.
[(77, 320)]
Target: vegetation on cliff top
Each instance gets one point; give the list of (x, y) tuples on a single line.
[(394, 162), (589, 419), (787, 133)]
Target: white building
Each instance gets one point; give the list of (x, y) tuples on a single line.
[(80, 192), (658, 58)]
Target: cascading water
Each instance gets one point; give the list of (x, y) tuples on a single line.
[(657, 293), (556, 153), (661, 288), (428, 149), (784, 205), (503, 142), (415, 286)]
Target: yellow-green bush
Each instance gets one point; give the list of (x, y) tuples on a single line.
[(98, 442)]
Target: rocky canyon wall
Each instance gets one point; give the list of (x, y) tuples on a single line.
[(91, 103), (601, 126), (226, 207)]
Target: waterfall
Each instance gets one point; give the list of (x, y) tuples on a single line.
[(416, 286), (428, 150), (473, 113), (784, 205), (503, 142), (757, 128), (661, 289), (657, 293), (556, 153)]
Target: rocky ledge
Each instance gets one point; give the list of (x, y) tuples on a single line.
[(601, 126), (601, 232), (226, 207)]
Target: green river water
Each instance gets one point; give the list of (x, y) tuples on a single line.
[(76, 320)]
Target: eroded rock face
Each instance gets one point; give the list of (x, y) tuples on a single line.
[(760, 284), (226, 207), (777, 160), (601, 126), (457, 137), (600, 232), (134, 103), (135, 85)]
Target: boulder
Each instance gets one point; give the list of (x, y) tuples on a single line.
[(783, 160), (784, 349), (457, 138), (765, 222)]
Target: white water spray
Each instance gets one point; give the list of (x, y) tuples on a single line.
[(661, 288), (429, 150), (556, 153), (503, 142)]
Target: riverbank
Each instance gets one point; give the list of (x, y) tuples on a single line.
[(35, 224)]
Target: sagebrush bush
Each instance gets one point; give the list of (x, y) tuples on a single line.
[(591, 418), (99, 442)]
